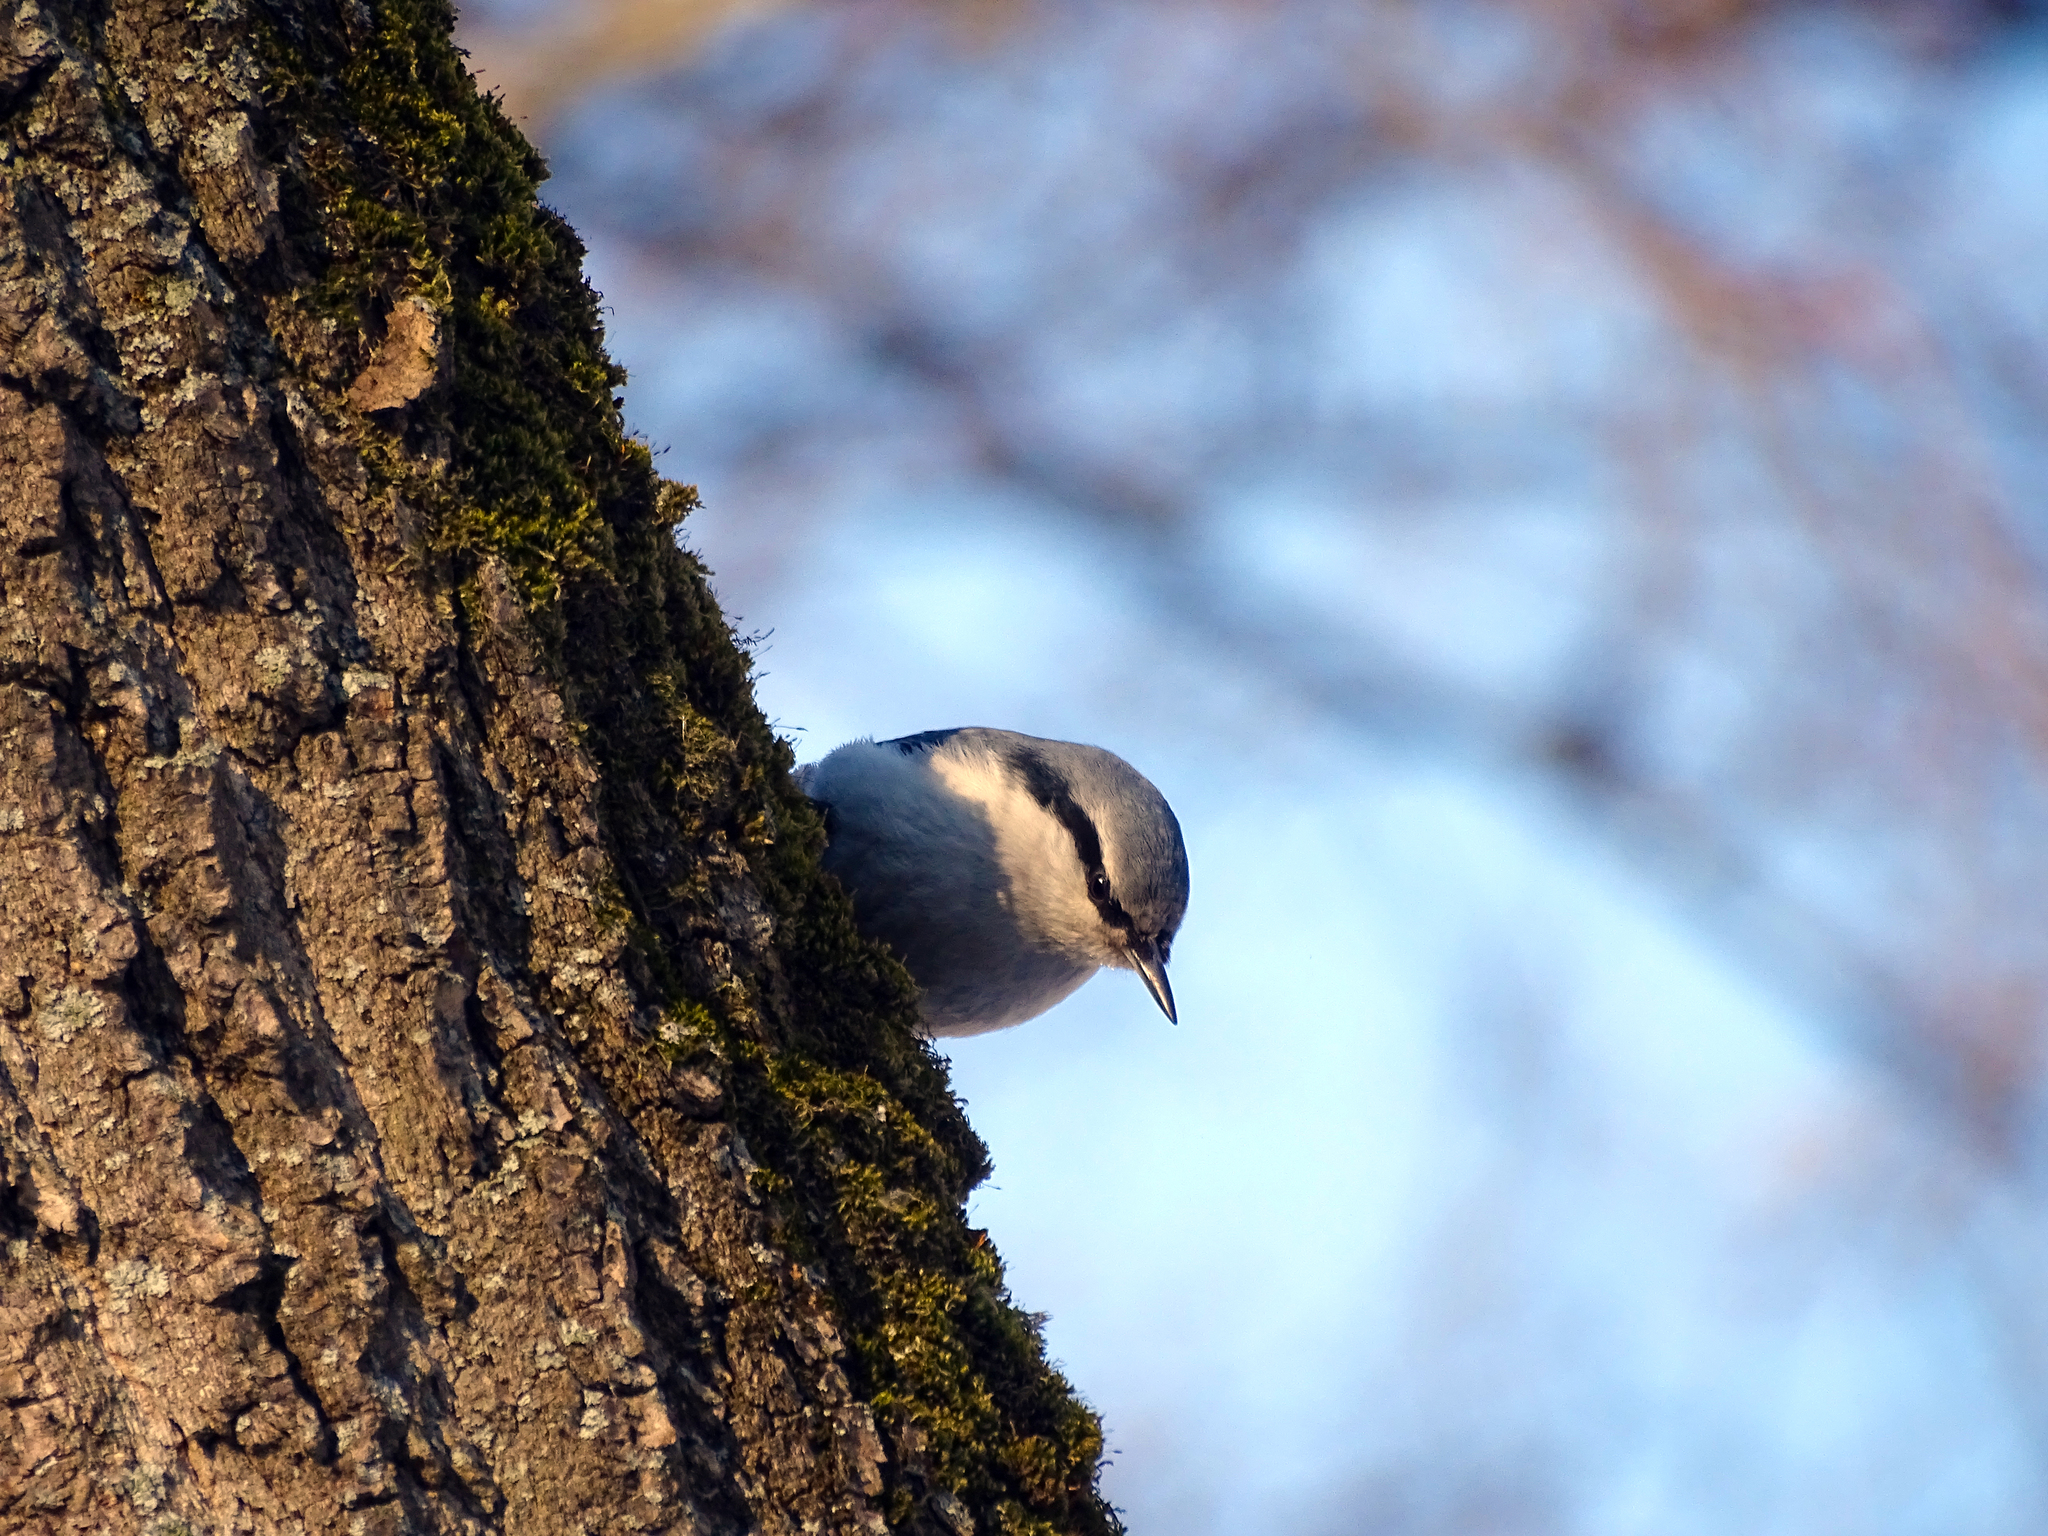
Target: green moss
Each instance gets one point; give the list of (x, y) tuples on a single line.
[(415, 187), (411, 186)]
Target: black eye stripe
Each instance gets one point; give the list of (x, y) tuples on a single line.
[(1049, 787)]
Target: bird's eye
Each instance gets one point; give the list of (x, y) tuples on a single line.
[(1098, 883)]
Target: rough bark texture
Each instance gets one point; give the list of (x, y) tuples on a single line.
[(437, 1090)]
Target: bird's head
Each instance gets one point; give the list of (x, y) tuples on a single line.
[(1103, 873)]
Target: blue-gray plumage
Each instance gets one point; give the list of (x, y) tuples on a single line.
[(1004, 869)]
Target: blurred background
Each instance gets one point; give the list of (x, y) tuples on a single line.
[(1556, 493)]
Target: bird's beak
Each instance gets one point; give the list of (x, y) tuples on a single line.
[(1145, 959)]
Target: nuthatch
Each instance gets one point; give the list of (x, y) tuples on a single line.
[(1003, 869)]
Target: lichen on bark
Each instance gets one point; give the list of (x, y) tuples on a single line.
[(438, 1090)]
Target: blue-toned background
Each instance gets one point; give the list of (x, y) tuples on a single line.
[(1554, 494)]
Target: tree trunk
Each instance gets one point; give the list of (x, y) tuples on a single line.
[(437, 1090)]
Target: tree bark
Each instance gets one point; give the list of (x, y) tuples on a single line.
[(438, 1091)]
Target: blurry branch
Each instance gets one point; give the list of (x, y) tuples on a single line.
[(544, 66), (539, 69), (1933, 603)]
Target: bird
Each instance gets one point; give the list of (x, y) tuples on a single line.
[(1003, 869)]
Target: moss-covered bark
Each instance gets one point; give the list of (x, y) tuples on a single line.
[(437, 1089)]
